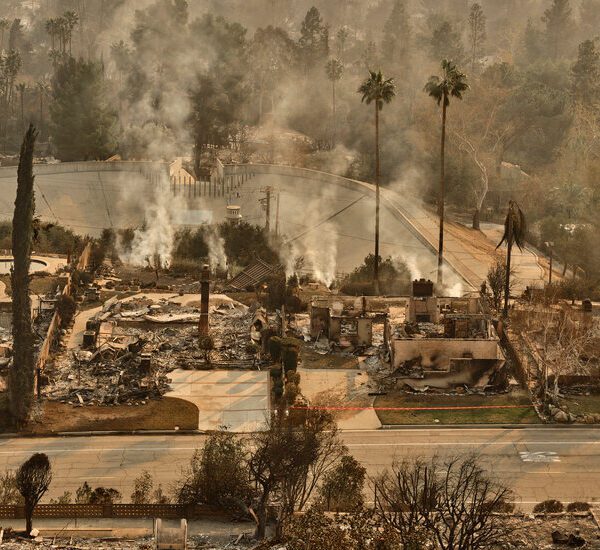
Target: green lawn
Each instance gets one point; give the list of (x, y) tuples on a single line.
[(582, 404), (525, 415), (39, 284)]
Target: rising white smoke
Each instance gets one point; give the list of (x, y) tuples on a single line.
[(154, 240), (216, 248), (318, 246)]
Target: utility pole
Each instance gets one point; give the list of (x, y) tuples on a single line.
[(266, 204), (204, 300), (550, 246)]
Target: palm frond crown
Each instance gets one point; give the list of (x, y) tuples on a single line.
[(452, 82), (515, 226), (377, 88)]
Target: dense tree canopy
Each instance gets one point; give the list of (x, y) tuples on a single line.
[(173, 78)]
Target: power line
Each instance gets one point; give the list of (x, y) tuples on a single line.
[(105, 201), (47, 203), (325, 220)]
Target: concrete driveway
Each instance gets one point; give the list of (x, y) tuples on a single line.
[(238, 400), (339, 389)]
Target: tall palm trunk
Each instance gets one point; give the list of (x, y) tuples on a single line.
[(509, 244), (22, 110), (333, 138), (442, 198), (376, 264), (41, 114), (21, 375)]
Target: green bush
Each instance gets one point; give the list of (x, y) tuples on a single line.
[(66, 308), (291, 392), (550, 506), (394, 278), (291, 343), (293, 377), (289, 353), (184, 266), (289, 359), (578, 507), (275, 372), (504, 507), (275, 348)]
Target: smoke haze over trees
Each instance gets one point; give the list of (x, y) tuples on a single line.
[(161, 78)]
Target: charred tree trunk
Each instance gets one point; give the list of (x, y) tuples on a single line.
[(21, 375), (29, 507), (261, 513)]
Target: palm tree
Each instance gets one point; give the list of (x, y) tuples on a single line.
[(43, 89), (514, 233), (52, 30), (378, 90), (22, 88), (4, 24), (334, 70), (451, 83), (70, 22)]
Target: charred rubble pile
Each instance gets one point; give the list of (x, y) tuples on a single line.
[(129, 348)]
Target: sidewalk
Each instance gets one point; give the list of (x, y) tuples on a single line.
[(125, 528)]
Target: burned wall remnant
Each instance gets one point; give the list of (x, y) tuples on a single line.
[(340, 324), (442, 342)]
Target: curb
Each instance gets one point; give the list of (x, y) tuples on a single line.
[(489, 426), (398, 427), (100, 433)]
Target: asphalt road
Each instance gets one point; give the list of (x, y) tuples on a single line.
[(537, 463)]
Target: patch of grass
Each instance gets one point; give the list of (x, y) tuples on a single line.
[(313, 360), (583, 404), (159, 414), (38, 284), (525, 415)]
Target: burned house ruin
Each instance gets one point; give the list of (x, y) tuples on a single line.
[(442, 342), (343, 325)]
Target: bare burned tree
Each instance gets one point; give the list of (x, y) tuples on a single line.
[(33, 479), (562, 343), (289, 459), (450, 502)]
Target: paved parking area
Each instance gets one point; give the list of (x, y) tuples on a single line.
[(238, 400)]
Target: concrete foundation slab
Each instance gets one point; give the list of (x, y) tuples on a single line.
[(238, 400)]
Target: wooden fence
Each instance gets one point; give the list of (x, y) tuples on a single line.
[(188, 186), (53, 330), (83, 511)]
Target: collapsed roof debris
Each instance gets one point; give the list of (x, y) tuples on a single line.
[(130, 346), (256, 273)]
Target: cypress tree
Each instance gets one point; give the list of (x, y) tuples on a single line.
[(21, 375)]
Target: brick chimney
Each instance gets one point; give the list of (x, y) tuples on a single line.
[(204, 296)]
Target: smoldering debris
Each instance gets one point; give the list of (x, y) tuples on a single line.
[(129, 348)]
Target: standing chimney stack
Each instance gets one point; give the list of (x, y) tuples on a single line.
[(204, 296)]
